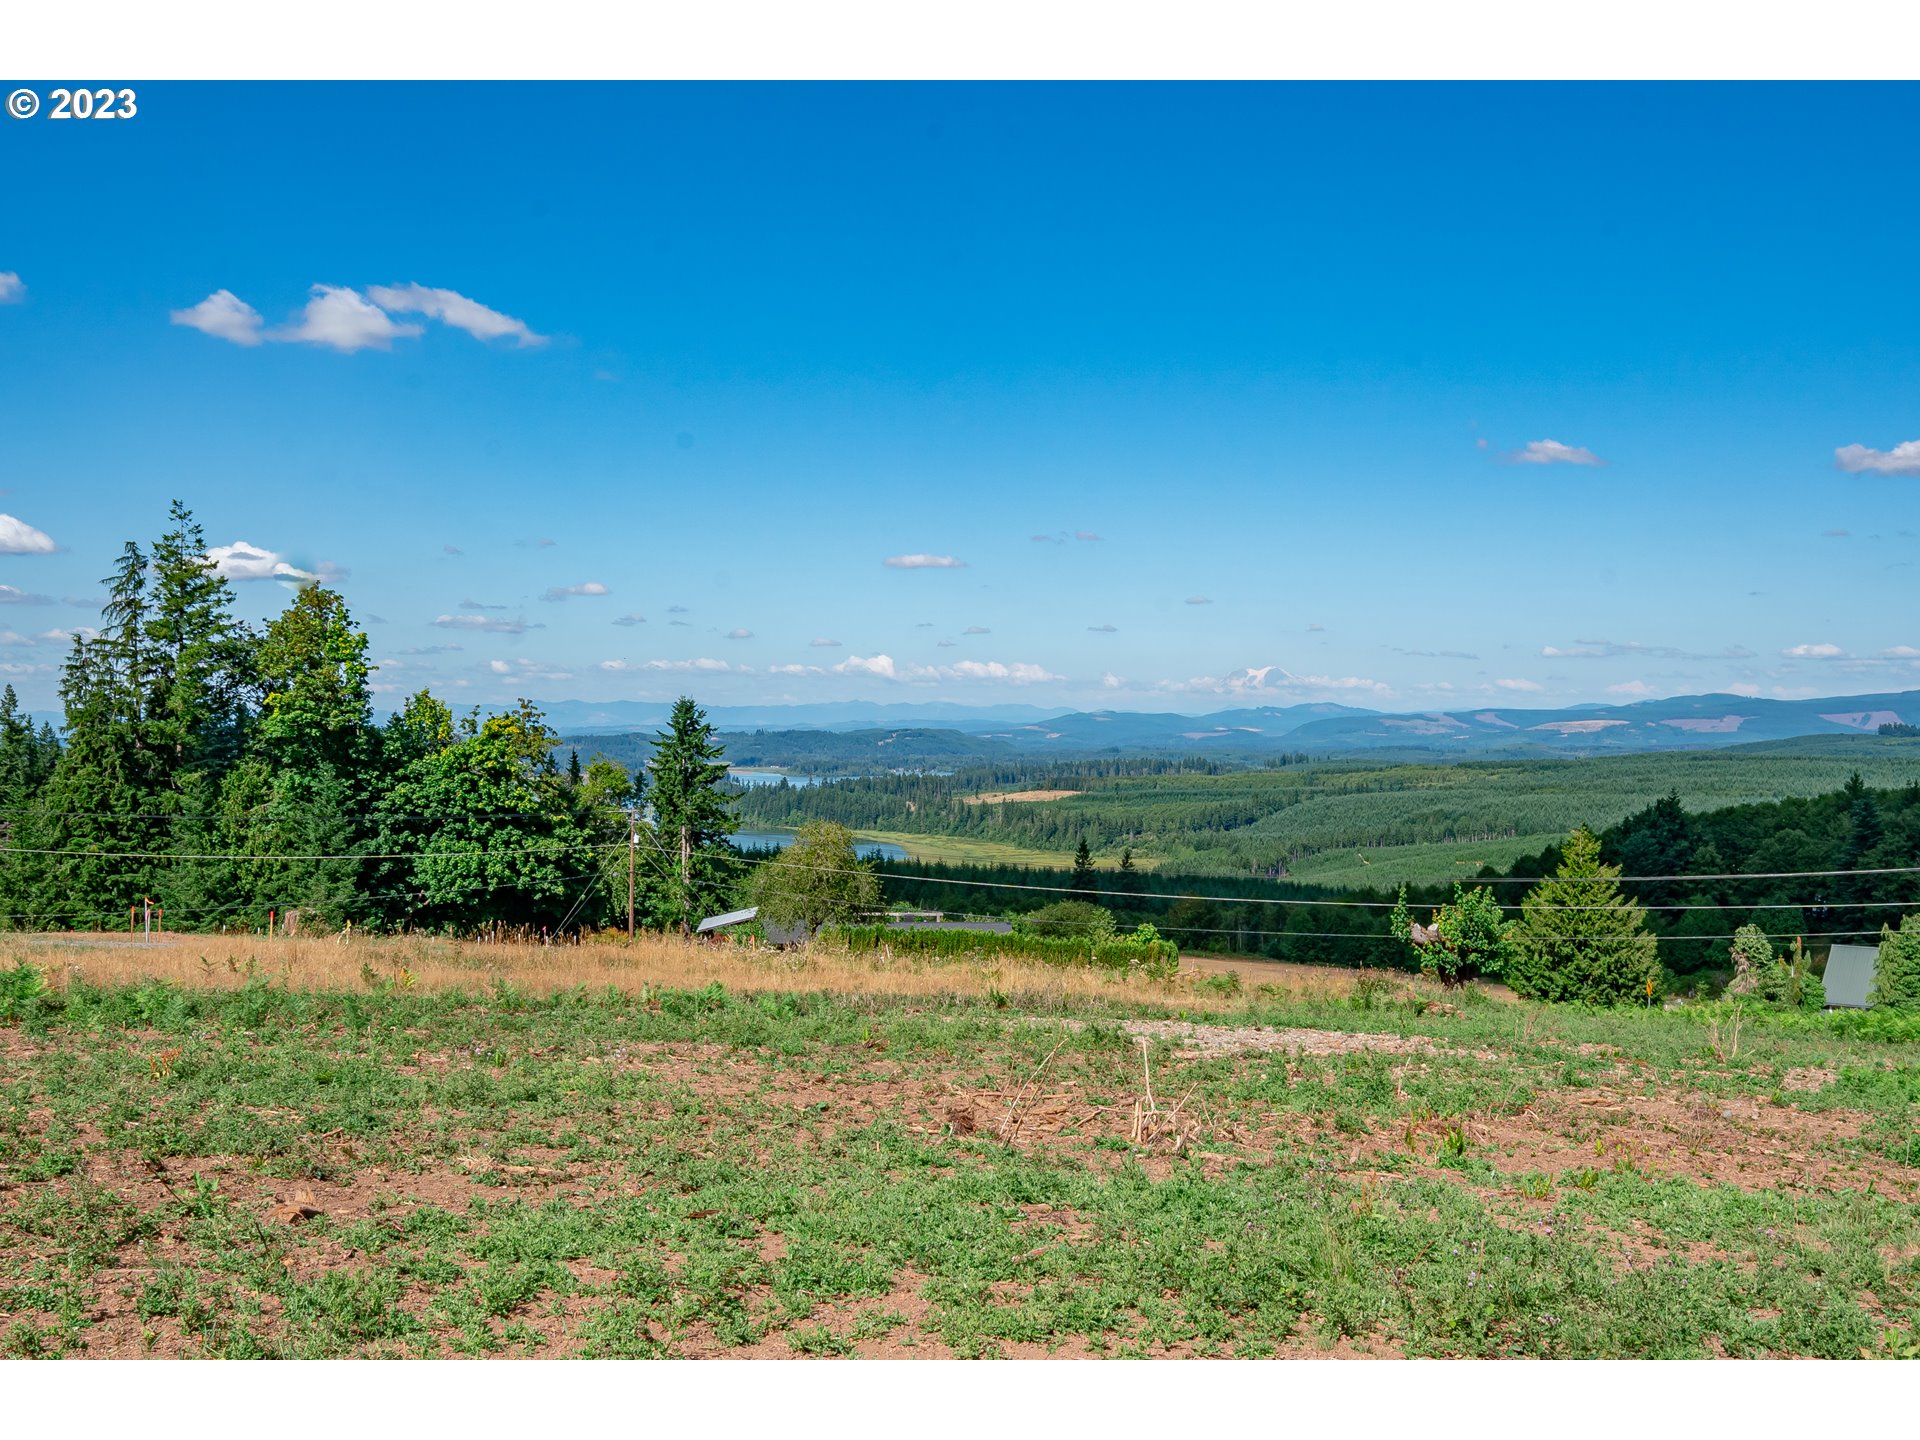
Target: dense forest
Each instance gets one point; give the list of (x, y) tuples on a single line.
[(1206, 818), (1768, 847), (222, 776)]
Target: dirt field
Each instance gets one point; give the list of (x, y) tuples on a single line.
[(686, 1152)]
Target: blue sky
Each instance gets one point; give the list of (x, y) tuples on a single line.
[(1409, 396)]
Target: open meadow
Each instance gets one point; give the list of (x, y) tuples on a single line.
[(228, 1146)]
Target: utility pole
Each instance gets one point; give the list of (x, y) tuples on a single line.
[(633, 844)]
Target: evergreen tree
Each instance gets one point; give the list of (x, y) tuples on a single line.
[(202, 658), (1083, 885), (1578, 938), (692, 819)]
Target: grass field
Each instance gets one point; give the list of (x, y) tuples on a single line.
[(966, 850), (405, 1148), (1380, 867)]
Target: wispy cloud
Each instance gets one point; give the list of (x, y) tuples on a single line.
[(12, 289), (451, 550), (1552, 452), (739, 634), (923, 562), (1902, 459), (976, 630), (676, 610), (1104, 629), (10, 595), (1900, 652), (704, 665), (569, 592), (633, 617), (1821, 651), (479, 605), (452, 308), (1526, 685), (19, 538), (1613, 649), (430, 650), (795, 670), (1272, 679), (1633, 689), (1085, 535), (823, 643), (522, 667), (488, 624), (1835, 534), (1316, 629), (1198, 600)]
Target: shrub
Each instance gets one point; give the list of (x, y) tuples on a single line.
[(21, 989), (1068, 919)]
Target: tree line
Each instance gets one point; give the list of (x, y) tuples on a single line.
[(224, 774)]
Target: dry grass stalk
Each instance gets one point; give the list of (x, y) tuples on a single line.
[(650, 963)]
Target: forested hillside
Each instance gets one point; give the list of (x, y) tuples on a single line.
[(1216, 819)]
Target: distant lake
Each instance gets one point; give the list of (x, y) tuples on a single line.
[(777, 839), (772, 777)]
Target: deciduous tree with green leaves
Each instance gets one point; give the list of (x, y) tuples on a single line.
[(1466, 940), (1896, 971), (818, 880)]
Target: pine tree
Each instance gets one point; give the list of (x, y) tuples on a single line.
[(1579, 938), (691, 818), (1083, 885)]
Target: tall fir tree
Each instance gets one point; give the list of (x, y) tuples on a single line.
[(692, 819), (1083, 885), (1578, 937)]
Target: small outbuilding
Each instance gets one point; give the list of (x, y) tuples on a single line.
[(1849, 977)]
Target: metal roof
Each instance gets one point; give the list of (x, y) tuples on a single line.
[(732, 917), (1850, 975)]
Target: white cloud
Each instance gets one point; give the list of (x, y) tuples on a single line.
[(976, 630), (1812, 652), (739, 634), (451, 308), (568, 592), (703, 664), (341, 318), (19, 538), (223, 315), (66, 637), (631, 618), (1271, 679), (794, 670), (1111, 681), (1198, 600), (9, 595), (824, 644), (1316, 629), (1528, 685), (1638, 689), (1019, 673), (1750, 691), (881, 665), (1900, 652), (12, 289), (1903, 459), (615, 665), (923, 562), (1552, 452), (488, 624), (527, 669), (13, 637), (242, 561)]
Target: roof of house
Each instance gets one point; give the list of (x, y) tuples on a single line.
[(1849, 975), (720, 922)]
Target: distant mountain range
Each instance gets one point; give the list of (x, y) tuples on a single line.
[(949, 732)]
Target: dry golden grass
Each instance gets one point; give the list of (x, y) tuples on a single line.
[(1017, 797), (333, 963)]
